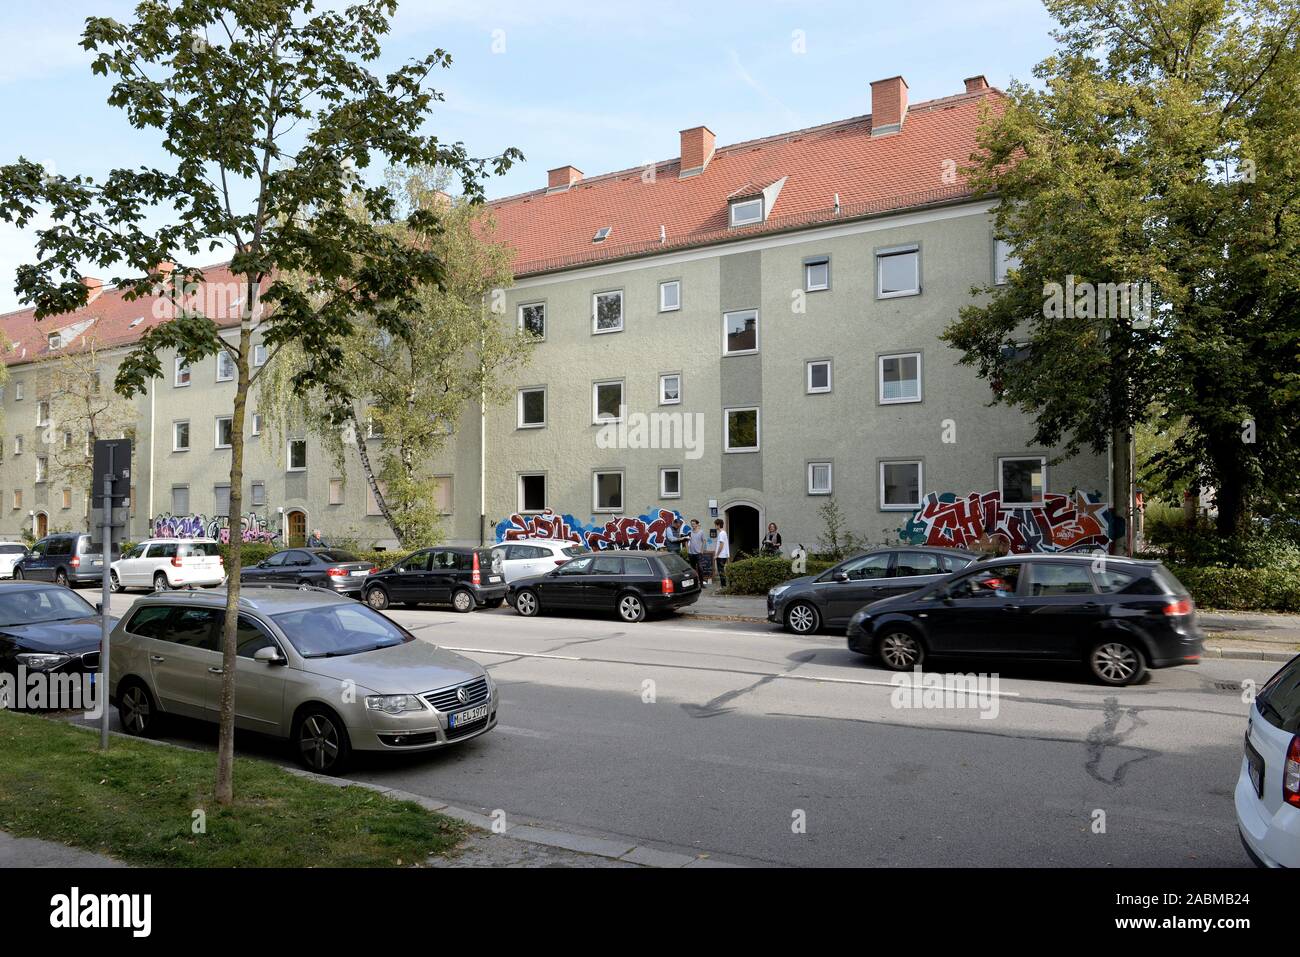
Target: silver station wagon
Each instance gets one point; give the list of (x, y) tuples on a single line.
[(327, 673)]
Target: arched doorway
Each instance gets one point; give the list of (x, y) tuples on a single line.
[(295, 528), (743, 528), (42, 527)]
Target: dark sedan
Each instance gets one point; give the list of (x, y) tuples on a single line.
[(1118, 616), (830, 599), (630, 584), (323, 567), (463, 577), (47, 629)]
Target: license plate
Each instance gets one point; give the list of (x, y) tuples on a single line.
[(1255, 768), (97, 563), (688, 582), (463, 718), (494, 578), (358, 573)]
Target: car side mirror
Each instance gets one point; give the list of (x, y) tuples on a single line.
[(840, 577), (99, 608), (270, 655)]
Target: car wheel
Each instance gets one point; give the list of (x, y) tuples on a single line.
[(802, 618), (114, 584), (321, 741), (160, 582), (900, 650), (377, 598), (462, 601), (136, 709), (18, 574), (61, 578), (631, 607), (1116, 662), (526, 603)]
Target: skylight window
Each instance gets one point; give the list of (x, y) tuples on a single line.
[(602, 234)]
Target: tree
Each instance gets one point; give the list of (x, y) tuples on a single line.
[(269, 112), (1156, 248), (409, 390)]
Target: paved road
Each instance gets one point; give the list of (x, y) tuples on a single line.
[(718, 736)]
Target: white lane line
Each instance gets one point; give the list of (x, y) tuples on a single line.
[(511, 654), (907, 685)]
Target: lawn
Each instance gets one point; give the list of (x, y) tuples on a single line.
[(137, 803)]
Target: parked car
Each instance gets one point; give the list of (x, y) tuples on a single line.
[(1119, 616), (67, 558), (806, 605), (534, 556), (630, 584), (162, 563), (326, 567), (465, 578), (47, 628), (1268, 787), (10, 554), (298, 648)]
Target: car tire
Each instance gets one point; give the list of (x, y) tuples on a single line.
[(1116, 662), (18, 574), (320, 741), (61, 578), (630, 607), (377, 598), (528, 604), (160, 582), (802, 618), (462, 601), (900, 650), (115, 584), (137, 711)]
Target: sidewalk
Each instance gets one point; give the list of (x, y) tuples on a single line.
[(32, 852)]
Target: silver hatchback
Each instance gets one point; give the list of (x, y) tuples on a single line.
[(325, 672)]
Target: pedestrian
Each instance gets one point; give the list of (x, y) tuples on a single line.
[(316, 541), (722, 552), (675, 536), (772, 540), (706, 556), (695, 545)]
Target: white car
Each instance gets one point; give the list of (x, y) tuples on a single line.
[(1268, 788), (162, 563), (10, 553), (533, 556)]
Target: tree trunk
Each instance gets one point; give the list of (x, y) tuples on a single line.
[(369, 471)]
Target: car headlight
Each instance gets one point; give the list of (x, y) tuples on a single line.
[(394, 703), (35, 661), (777, 591)]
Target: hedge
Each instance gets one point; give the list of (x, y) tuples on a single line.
[(754, 576), (1241, 589)]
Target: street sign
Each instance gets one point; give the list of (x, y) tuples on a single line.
[(111, 487), (112, 456)]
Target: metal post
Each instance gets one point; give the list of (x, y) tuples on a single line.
[(106, 549)]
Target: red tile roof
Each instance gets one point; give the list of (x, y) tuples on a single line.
[(918, 166)]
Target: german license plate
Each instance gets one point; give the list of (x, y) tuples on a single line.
[(1255, 768), (462, 718), (688, 582), (358, 573), (494, 578), (97, 562)]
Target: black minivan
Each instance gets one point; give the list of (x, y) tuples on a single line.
[(631, 584), (66, 558), (460, 576)]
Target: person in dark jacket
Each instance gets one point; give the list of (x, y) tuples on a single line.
[(772, 540)]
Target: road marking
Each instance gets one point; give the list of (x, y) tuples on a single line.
[(908, 685), (511, 654)]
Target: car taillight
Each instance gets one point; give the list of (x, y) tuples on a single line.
[(1291, 773), (76, 561), (336, 572), (221, 560), (1182, 606), (476, 577), (177, 561), (666, 586)]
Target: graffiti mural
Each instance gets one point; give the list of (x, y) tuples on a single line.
[(646, 531), (252, 528), (1061, 523)]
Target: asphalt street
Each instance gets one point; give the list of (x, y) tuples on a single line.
[(736, 739)]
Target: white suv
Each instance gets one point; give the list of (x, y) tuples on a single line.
[(162, 563), (533, 556), (1268, 788)]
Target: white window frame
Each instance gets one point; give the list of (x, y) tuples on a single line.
[(883, 254), (920, 484), (18, 391), (830, 478), (808, 378), (42, 469), (259, 354), (519, 314), (880, 378), (329, 492), (519, 492), (18, 444), (726, 429), (743, 204), (43, 412), (288, 456), (758, 333), (1003, 259), (663, 395), (178, 488), (216, 432), (181, 367), (519, 407), (595, 491), (189, 438), (54, 341), (252, 494), (1002, 492), (223, 355), (810, 262), (663, 485), (595, 407), (663, 287), (216, 500), (258, 422), (595, 312)]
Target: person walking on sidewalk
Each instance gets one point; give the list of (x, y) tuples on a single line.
[(695, 545), (722, 551)]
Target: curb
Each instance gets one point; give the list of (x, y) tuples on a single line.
[(1248, 654)]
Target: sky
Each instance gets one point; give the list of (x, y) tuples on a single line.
[(600, 85)]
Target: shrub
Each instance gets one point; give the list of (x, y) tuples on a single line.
[(1241, 589), (754, 576)]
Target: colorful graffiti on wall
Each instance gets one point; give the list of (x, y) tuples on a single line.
[(1061, 523), (252, 528), (645, 531)]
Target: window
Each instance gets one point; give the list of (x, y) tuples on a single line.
[(18, 445), (250, 638), (225, 424), (900, 485), (741, 430), (374, 428), (602, 234), (819, 478), (740, 332), (1022, 481), (865, 567), (42, 468), (607, 489), (532, 408), (336, 491), (1050, 579), (911, 564), (18, 498), (607, 401), (818, 376), (442, 493), (670, 483), (67, 438), (259, 354), (898, 272), (257, 423), (182, 374), (670, 295), (746, 212), (532, 319), (670, 388), (54, 340), (180, 500), (225, 366), (257, 494), (995, 581), (607, 312), (180, 436), (67, 498), (297, 455), (532, 492), (900, 378), (43, 412), (18, 391), (1004, 259), (221, 499), (817, 274)]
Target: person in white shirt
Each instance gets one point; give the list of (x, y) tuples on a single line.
[(722, 552)]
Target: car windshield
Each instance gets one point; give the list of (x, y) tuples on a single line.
[(27, 606), (334, 555), (333, 630)]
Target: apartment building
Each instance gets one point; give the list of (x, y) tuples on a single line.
[(744, 332)]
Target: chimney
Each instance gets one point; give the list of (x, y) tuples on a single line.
[(697, 150), (976, 83), (888, 105), (93, 288), (558, 180)]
